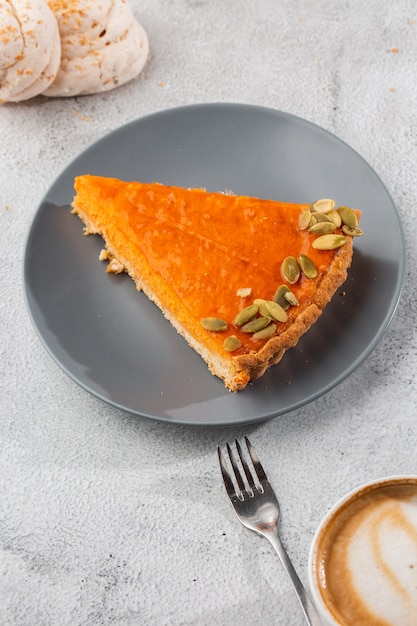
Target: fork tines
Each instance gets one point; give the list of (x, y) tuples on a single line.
[(240, 482)]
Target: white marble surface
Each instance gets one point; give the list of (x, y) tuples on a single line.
[(110, 519)]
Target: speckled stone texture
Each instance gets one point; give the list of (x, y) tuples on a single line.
[(110, 519)]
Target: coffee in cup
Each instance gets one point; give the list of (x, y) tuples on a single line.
[(363, 560)]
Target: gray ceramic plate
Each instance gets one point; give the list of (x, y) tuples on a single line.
[(113, 342)]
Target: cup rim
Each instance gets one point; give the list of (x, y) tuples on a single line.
[(354, 493)]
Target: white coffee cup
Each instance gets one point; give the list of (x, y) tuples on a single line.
[(363, 558)]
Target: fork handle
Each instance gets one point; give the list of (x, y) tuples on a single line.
[(309, 610)]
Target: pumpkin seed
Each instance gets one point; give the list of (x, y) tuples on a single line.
[(214, 324), (262, 307), (291, 298), (231, 343), (257, 324), (325, 205), (304, 219), (264, 333), (307, 266), (244, 292), (352, 232), (335, 217), (348, 216), (279, 297), (323, 228), (246, 314), (321, 217), (290, 270), (329, 242), (276, 311)]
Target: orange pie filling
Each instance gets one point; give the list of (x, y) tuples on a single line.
[(202, 255)]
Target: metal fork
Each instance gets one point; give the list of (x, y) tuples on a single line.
[(257, 507)]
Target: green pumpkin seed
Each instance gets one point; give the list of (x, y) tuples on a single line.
[(262, 307), (304, 219), (246, 314), (231, 343), (335, 217), (348, 216), (257, 324), (264, 333), (325, 205), (214, 324), (290, 270), (329, 242), (321, 217), (291, 298), (323, 228), (279, 297), (276, 311), (352, 232), (307, 266)]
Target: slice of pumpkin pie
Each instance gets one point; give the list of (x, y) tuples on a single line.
[(241, 279)]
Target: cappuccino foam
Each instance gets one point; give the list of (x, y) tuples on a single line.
[(367, 558)]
